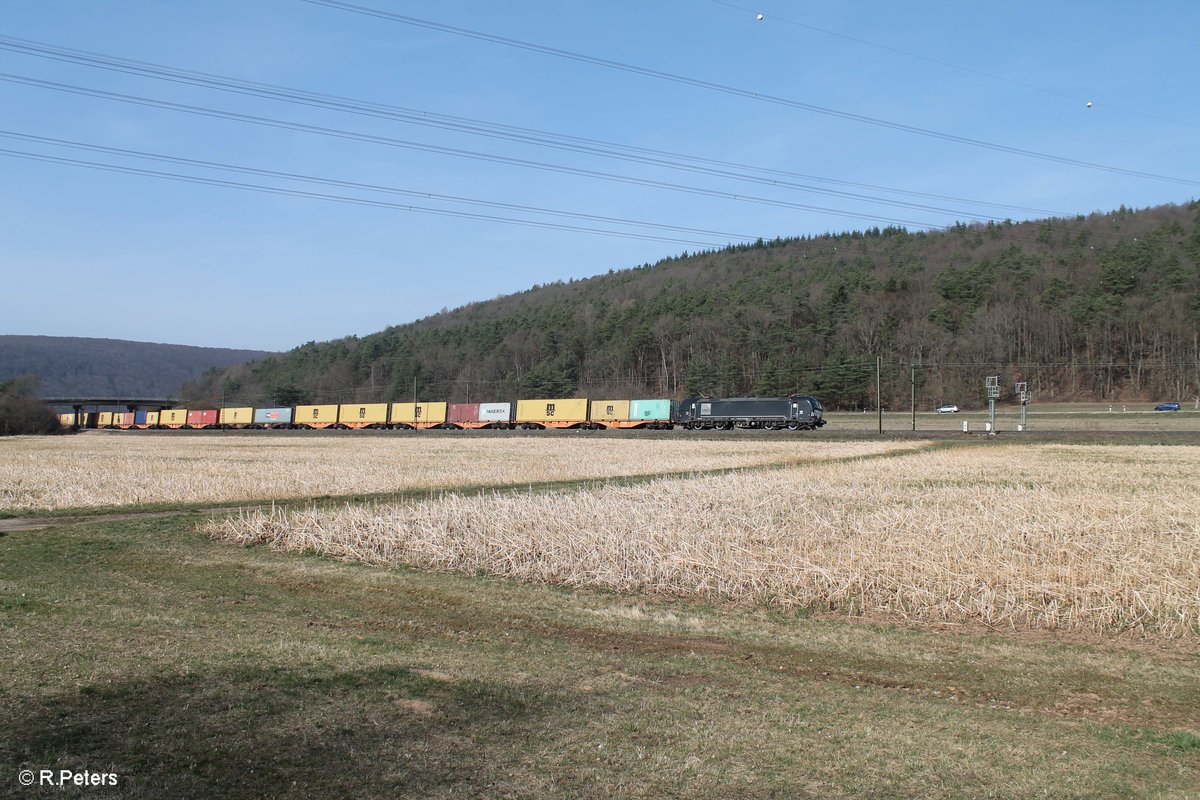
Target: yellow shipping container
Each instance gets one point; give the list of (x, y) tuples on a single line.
[(553, 412), (104, 419), (173, 417), (426, 414), (360, 416), (151, 418), (236, 416), (610, 410), (66, 420), (123, 418), (316, 416)]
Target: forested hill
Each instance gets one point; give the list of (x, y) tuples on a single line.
[(80, 367), (1099, 307)]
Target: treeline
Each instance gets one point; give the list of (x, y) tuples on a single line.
[(1099, 307), (70, 366), (21, 410)]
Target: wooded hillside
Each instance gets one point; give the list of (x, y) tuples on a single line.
[(69, 366), (1099, 307)]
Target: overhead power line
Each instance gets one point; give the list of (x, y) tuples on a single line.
[(361, 201), (648, 156), (745, 93), (450, 151), (950, 65), (291, 176)]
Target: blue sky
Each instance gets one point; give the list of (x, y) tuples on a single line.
[(87, 252)]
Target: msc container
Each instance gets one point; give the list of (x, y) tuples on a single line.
[(634, 413), (104, 419), (610, 412), (238, 417), (418, 415), (172, 417), (552, 413), (316, 416), (373, 414), (202, 418), (152, 418), (273, 417), (66, 420)]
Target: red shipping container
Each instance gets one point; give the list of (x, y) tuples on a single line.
[(200, 419), (463, 412)]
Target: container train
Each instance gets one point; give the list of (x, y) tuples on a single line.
[(795, 412)]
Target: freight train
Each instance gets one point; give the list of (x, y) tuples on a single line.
[(795, 412)]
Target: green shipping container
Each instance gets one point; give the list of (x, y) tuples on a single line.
[(650, 409)]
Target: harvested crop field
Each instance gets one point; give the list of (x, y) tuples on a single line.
[(114, 470), (1044, 536)]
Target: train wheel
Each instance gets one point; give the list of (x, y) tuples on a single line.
[(793, 426)]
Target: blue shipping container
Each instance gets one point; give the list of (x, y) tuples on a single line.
[(139, 418), (273, 416)]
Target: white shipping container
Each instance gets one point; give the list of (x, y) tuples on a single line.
[(495, 412)]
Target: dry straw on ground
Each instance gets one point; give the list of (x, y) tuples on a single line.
[(1102, 538), (121, 469)]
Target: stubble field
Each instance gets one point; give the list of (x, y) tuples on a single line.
[(718, 617), (114, 469)]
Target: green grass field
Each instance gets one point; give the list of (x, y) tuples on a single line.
[(193, 668)]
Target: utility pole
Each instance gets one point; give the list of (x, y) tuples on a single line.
[(912, 402), (992, 384), (878, 394)]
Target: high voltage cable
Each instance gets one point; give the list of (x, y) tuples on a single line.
[(172, 176), (745, 93), (367, 186), (951, 65), (489, 129), (402, 143)]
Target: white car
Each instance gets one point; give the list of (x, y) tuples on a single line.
[(949, 408)]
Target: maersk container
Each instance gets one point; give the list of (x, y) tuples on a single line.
[(273, 416), (658, 410), (495, 412)]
